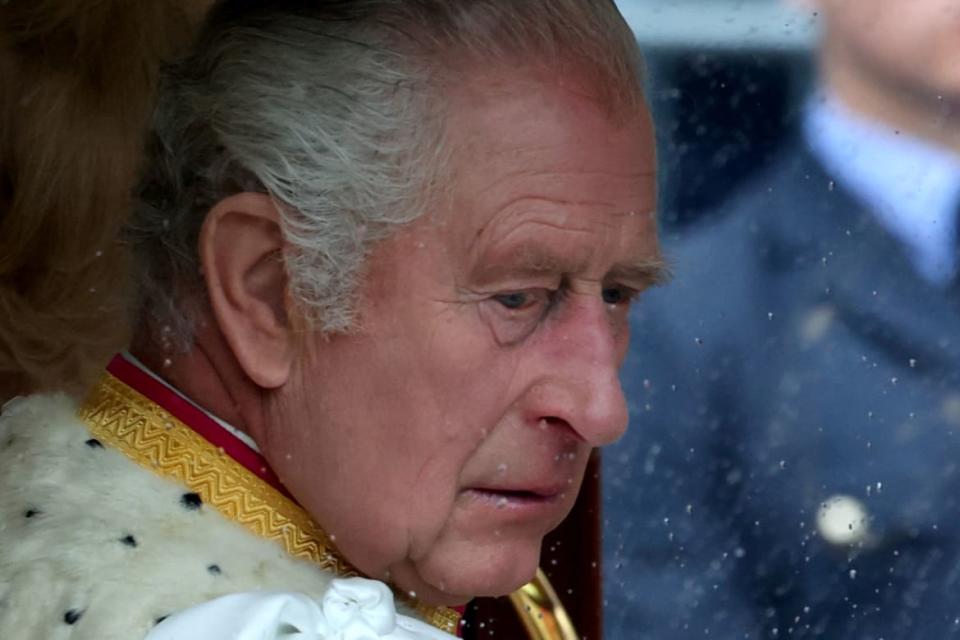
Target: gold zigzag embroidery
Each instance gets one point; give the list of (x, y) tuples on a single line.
[(122, 418)]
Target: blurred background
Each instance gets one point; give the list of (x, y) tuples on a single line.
[(726, 79), (792, 467)]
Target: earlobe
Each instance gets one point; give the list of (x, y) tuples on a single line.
[(241, 248)]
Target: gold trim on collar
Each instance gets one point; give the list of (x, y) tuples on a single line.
[(124, 419)]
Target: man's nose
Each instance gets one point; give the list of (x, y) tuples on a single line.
[(582, 382)]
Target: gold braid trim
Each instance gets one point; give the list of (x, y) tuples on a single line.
[(122, 418)]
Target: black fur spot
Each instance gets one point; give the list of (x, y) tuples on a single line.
[(72, 616), (214, 570), (29, 513), (93, 443), (159, 620), (191, 501), (129, 541)]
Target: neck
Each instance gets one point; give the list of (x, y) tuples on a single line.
[(210, 376), (902, 105)]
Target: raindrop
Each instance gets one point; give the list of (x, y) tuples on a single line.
[(501, 468), (853, 574)]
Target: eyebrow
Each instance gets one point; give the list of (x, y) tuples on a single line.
[(654, 272), (535, 260)]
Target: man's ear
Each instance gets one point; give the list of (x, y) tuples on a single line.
[(241, 247)]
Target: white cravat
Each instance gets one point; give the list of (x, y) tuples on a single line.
[(911, 186), (351, 609)]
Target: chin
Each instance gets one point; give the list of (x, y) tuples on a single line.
[(466, 571)]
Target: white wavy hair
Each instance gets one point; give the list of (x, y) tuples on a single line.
[(335, 108)]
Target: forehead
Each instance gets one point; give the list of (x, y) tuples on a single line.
[(535, 150)]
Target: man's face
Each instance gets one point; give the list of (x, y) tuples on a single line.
[(445, 436), (911, 45)]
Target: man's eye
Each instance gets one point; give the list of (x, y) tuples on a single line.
[(618, 295), (514, 301)]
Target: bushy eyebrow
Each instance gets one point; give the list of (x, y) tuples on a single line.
[(536, 260), (654, 272)]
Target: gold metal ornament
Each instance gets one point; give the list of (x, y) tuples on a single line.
[(541, 611)]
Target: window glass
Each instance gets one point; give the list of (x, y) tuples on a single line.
[(791, 465)]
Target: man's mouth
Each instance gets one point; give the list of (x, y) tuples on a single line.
[(510, 496)]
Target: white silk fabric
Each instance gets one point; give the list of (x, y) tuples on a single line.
[(351, 609)]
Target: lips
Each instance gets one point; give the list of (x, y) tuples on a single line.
[(516, 495)]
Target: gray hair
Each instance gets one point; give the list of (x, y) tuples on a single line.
[(335, 110)]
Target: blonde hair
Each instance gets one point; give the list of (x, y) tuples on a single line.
[(78, 79)]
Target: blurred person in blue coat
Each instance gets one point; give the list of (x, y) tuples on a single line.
[(793, 468)]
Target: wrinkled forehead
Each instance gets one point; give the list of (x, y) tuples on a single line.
[(527, 137), (538, 162)]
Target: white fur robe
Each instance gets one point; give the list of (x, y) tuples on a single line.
[(94, 547)]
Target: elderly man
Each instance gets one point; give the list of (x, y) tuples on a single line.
[(796, 473), (388, 250)]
